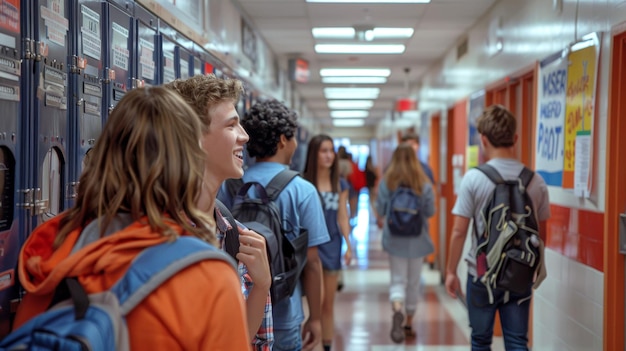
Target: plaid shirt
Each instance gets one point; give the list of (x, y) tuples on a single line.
[(264, 338)]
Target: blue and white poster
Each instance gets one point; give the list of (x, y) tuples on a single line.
[(551, 94)]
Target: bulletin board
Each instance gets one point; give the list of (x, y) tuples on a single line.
[(566, 96)]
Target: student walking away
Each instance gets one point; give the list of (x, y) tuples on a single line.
[(223, 138), (322, 170), (405, 202), (139, 192), (507, 206), (371, 178), (413, 140), (272, 128)]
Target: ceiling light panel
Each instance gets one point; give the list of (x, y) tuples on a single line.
[(350, 104), (350, 32), (359, 49), (371, 1), (333, 33), (354, 80), (348, 122), (349, 114), (351, 93), (355, 72), (389, 33)]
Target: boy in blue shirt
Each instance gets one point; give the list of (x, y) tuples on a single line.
[(272, 128)]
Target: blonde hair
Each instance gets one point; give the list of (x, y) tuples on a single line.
[(203, 93), (148, 162), (405, 170)]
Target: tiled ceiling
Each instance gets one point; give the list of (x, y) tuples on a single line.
[(286, 26)]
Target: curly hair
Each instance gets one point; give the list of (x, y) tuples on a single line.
[(265, 123), (202, 93)]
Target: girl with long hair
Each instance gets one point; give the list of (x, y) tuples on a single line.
[(406, 253), (140, 188), (322, 169)]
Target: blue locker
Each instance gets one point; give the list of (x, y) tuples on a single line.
[(167, 60), (183, 58), (197, 66), (146, 72), (50, 128), (86, 84), (119, 53), (11, 149)]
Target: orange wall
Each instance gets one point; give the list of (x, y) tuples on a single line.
[(457, 143)]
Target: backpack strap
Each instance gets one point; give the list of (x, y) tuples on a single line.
[(491, 173), (526, 176), (279, 182), (231, 241), (156, 264), (233, 186)]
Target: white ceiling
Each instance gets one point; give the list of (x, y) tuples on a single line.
[(286, 26)]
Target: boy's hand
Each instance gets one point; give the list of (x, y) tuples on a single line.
[(253, 254)]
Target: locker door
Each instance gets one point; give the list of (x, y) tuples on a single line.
[(10, 153), (146, 24), (88, 91), (50, 126), (168, 68), (197, 66), (118, 55), (183, 62)]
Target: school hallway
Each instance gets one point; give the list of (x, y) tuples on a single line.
[(363, 312)]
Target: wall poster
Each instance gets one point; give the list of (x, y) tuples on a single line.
[(579, 114), (551, 89)]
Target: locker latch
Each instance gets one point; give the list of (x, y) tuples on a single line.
[(138, 83), (71, 190), (41, 205), (27, 199), (29, 49)]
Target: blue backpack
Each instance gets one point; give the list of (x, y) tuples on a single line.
[(404, 216), (96, 322)]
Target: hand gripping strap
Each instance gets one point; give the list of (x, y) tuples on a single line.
[(156, 264)]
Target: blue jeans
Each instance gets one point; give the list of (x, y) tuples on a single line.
[(287, 340), (513, 317)]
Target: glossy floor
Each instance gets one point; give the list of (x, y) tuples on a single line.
[(363, 312)]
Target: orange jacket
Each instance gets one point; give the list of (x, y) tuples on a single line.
[(201, 308)]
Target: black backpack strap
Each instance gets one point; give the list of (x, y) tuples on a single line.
[(233, 186), (526, 176), (231, 241), (491, 173), (279, 182)]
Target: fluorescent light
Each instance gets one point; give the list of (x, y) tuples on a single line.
[(349, 114), (348, 122), (333, 32), (355, 72), (383, 33), (351, 93), (350, 104), (354, 80), (372, 1), (359, 49), (350, 32)]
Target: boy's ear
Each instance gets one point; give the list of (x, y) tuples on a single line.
[(484, 141), (282, 142)]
